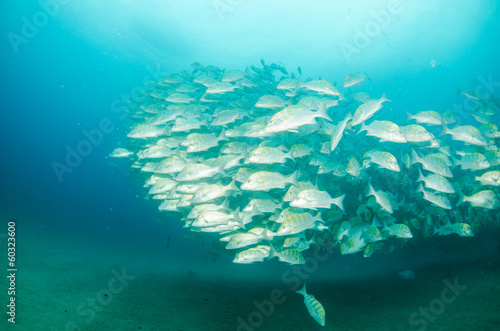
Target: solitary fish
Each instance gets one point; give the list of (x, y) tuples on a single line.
[(315, 308), (321, 86), (466, 133), (293, 117), (339, 131), (271, 101), (484, 199), (436, 199), (354, 79), (381, 197), (405, 274), (368, 109), (120, 152), (353, 167), (428, 117), (385, 130), (490, 178)]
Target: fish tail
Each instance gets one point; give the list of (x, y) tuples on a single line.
[(232, 186), (363, 128), (222, 135), (272, 253), (264, 235), (414, 157), (461, 198), (371, 191), (420, 176), (409, 116), (167, 130), (385, 98), (225, 204), (444, 130), (322, 113), (302, 290), (293, 178), (220, 169), (318, 218), (340, 202), (237, 218)]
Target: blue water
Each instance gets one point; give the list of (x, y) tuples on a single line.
[(68, 66)]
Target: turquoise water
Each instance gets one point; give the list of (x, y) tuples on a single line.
[(68, 69)]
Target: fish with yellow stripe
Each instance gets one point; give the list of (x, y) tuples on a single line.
[(314, 307)]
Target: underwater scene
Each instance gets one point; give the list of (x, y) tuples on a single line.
[(250, 165)]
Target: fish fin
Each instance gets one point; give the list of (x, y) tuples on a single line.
[(414, 158), (420, 188), (264, 235), (222, 135), (237, 218), (409, 116), (232, 186), (256, 211), (444, 130), (302, 290), (220, 169), (293, 178), (420, 176), (167, 130), (322, 113), (385, 98), (225, 204), (318, 218), (340, 202), (461, 197), (272, 253), (376, 222), (283, 148), (363, 128), (289, 155), (371, 191)]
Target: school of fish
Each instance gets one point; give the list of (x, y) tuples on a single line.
[(273, 164)]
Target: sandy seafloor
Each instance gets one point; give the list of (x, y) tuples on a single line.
[(58, 275)]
